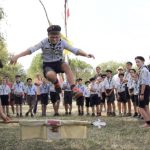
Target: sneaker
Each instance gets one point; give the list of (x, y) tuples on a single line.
[(27, 113), (57, 87), (93, 114), (69, 113), (21, 115), (88, 114), (113, 114), (66, 113), (135, 114), (32, 115), (17, 115), (129, 114), (120, 115), (99, 114), (124, 115)]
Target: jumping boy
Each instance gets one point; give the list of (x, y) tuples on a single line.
[(52, 56)]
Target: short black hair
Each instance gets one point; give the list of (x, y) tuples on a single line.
[(103, 75), (80, 79), (129, 63), (29, 79), (86, 82), (120, 74), (133, 70), (108, 70), (98, 67), (140, 58), (54, 29), (92, 79), (18, 75)]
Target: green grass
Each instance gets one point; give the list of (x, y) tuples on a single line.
[(119, 134)]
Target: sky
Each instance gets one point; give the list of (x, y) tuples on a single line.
[(117, 30)]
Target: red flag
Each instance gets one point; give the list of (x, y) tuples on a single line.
[(67, 12)]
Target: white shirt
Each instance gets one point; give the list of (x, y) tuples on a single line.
[(51, 87), (30, 90), (86, 92), (4, 89), (109, 83), (120, 86), (18, 88), (136, 88), (94, 88), (66, 86)]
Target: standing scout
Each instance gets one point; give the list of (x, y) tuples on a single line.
[(94, 101), (44, 90), (5, 96), (52, 56), (127, 78), (37, 82), (80, 97), (121, 95), (2, 115), (131, 85), (143, 90), (31, 95), (109, 85), (18, 91), (87, 97), (67, 97)]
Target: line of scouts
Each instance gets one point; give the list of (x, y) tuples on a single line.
[(127, 86)]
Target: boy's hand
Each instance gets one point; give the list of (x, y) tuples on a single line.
[(14, 60), (90, 56)]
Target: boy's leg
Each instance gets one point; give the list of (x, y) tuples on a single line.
[(3, 116), (52, 76), (70, 108), (17, 113), (4, 109), (20, 110), (7, 110), (66, 68)]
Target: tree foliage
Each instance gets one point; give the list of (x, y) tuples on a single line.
[(9, 70), (81, 69), (112, 65), (35, 67)]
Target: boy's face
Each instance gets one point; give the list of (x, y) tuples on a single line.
[(98, 70), (139, 63), (121, 77), (132, 73), (29, 82), (54, 39), (80, 81), (120, 71), (128, 66), (4, 81), (18, 79), (109, 74)]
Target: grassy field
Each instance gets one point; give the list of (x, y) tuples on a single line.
[(121, 133)]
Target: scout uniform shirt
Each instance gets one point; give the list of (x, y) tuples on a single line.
[(66, 86), (44, 88), (18, 88), (143, 76), (120, 86), (50, 52), (109, 83), (4, 89), (30, 90)]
